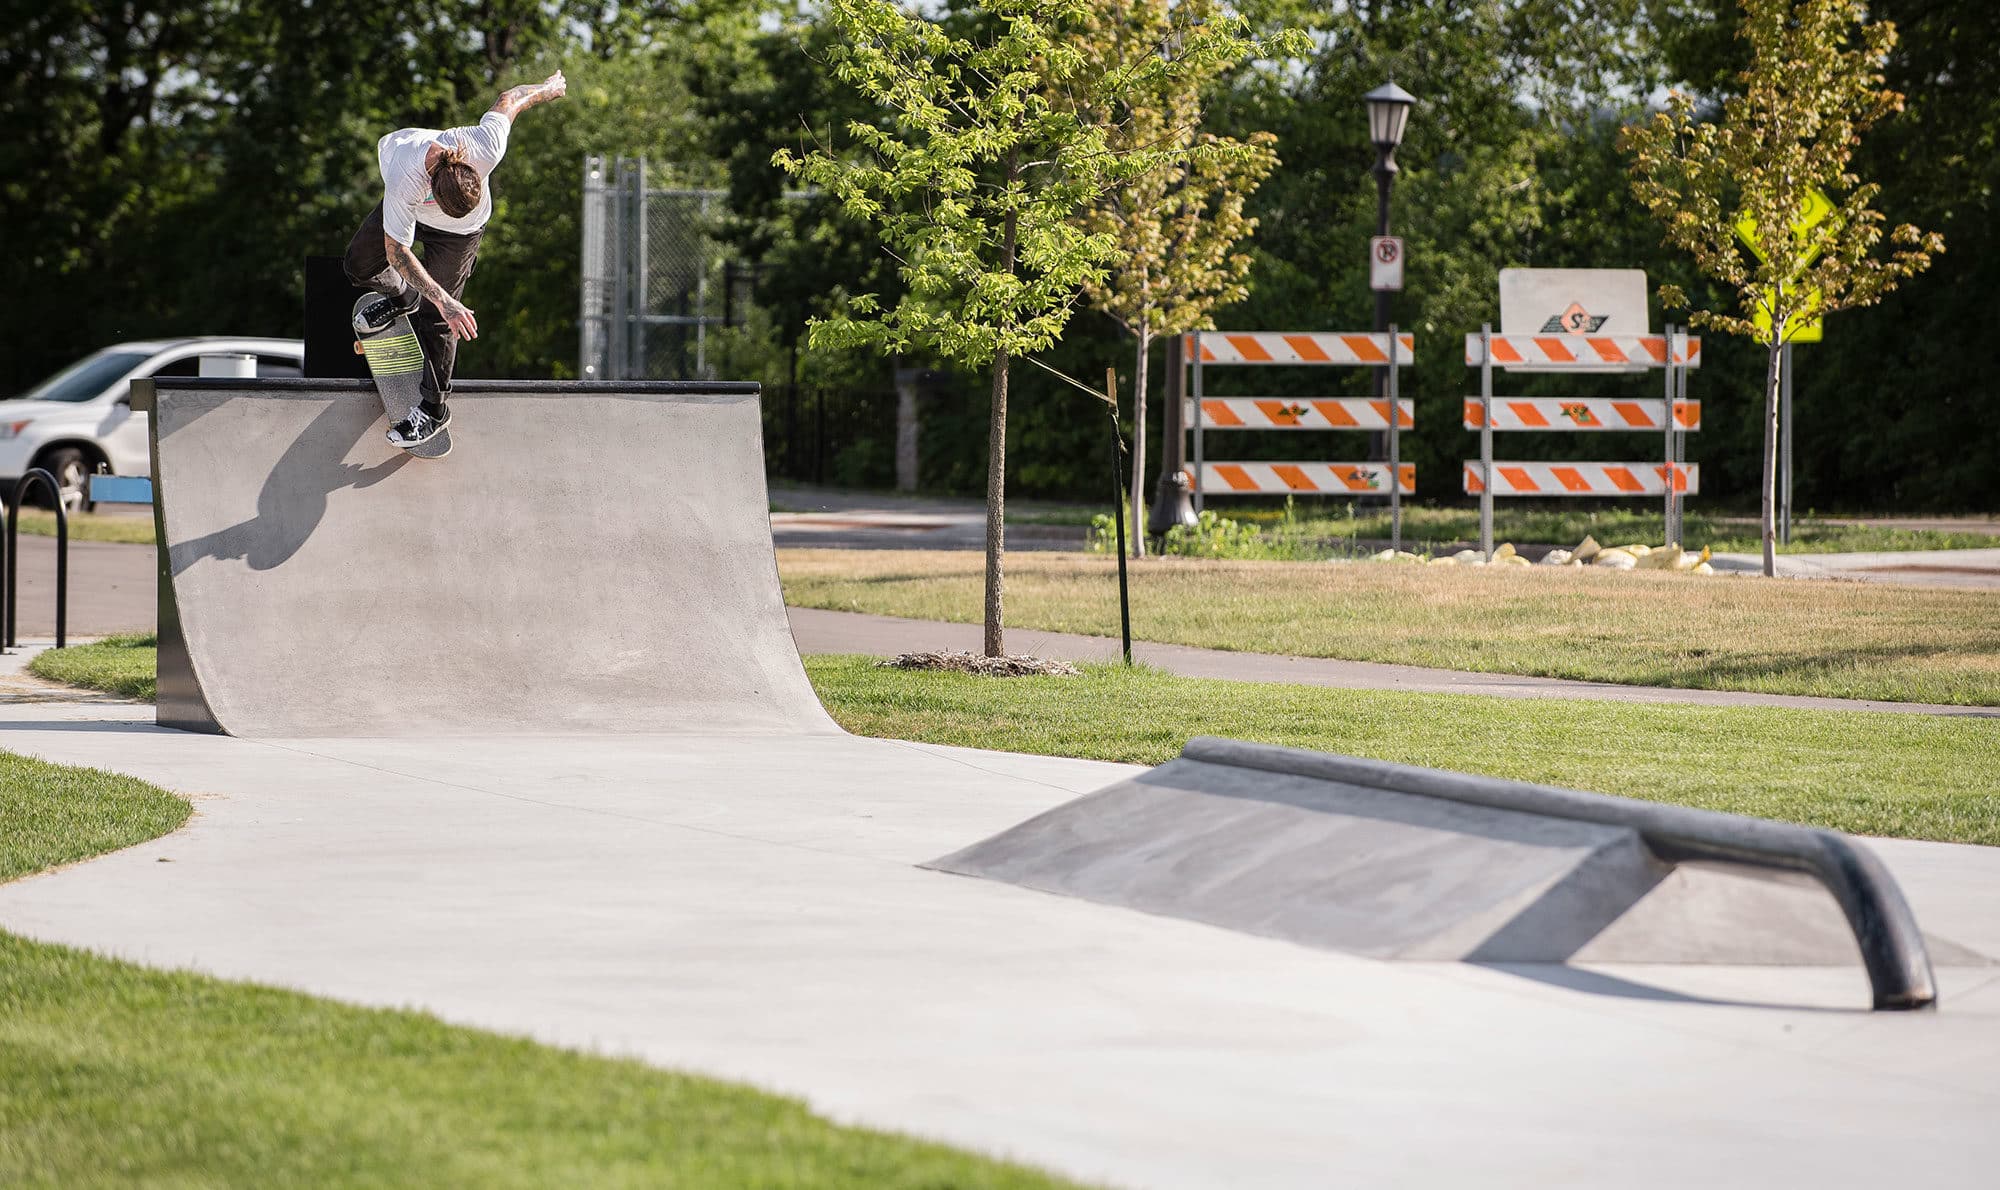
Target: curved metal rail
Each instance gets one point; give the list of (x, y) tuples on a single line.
[(1892, 948), (34, 476)]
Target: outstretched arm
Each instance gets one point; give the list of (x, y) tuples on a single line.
[(515, 100), (456, 315)]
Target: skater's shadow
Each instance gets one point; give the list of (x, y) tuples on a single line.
[(294, 497)]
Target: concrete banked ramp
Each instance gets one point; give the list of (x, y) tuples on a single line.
[(1393, 861), (590, 558)]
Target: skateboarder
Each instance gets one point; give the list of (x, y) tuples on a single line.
[(434, 193)]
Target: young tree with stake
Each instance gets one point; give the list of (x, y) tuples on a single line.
[(976, 179), (1177, 231), (1814, 85)]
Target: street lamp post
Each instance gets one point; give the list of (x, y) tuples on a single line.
[(1388, 114)]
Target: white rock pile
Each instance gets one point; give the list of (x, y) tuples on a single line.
[(1637, 556)]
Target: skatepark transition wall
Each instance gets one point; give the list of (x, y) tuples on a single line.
[(591, 557)]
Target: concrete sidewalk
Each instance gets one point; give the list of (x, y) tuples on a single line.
[(818, 631), (1977, 569)]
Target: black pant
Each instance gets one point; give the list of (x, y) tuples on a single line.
[(447, 257)]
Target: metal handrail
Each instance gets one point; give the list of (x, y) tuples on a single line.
[(1892, 947), (13, 552)]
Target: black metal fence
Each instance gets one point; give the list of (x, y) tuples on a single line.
[(840, 436)]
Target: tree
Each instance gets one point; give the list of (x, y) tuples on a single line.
[(1177, 231), (1814, 85), (976, 179)]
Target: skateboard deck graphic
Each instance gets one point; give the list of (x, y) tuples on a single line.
[(396, 358)]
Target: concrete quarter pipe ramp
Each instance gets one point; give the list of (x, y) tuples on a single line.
[(590, 558)]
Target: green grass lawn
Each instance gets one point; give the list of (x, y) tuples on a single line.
[(114, 1074), (1839, 640), (1912, 776)]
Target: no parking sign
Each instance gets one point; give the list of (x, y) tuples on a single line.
[(1385, 264)]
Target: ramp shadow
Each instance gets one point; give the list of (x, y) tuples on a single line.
[(1598, 983), (294, 497)]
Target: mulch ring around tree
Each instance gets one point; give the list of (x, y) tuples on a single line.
[(1017, 666)]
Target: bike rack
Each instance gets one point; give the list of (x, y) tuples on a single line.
[(1892, 948), (13, 553)]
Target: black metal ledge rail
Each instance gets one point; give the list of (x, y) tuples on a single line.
[(1892, 948), (290, 386)]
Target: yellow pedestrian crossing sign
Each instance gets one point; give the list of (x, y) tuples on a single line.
[(1813, 211)]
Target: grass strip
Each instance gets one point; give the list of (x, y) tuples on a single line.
[(87, 526), (121, 665), (111, 1073), (1910, 776), (1835, 640)]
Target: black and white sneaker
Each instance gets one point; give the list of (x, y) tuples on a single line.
[(438, 411), (414, 430), (378, 314)]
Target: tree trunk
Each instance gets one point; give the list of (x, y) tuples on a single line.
[(996, 452), (1139, 442), (1772, 379), (996, 506)]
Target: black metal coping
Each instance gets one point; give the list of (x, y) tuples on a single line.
[(296, 387), (1892, 947)]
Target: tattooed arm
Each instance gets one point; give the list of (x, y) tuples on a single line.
[(456, 315), (515, 100)]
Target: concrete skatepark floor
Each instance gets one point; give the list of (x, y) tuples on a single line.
[(755, 912), (745, 900)]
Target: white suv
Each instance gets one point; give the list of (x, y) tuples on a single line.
[(82, 417)]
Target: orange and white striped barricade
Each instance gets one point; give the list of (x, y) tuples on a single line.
[(1674, 352), (1582, 479), (1392, 350), (1300, 413), (1559, 414), (1330, 479)]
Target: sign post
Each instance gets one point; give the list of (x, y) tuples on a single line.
[(1486, 440), (1785, 433)]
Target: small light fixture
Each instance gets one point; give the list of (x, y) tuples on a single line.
[(1388, 114)]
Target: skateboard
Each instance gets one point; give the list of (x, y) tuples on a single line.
[(396, 358)]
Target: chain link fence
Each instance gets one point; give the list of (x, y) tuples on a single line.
[(655, 285), (659, 288)]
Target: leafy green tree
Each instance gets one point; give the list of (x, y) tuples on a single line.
[(976, 183), (1178, 232), (1814, 85)]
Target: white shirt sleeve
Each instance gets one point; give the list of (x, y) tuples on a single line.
[(399, 218), (485, 143)]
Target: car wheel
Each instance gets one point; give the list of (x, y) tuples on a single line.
[(71, 469)]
